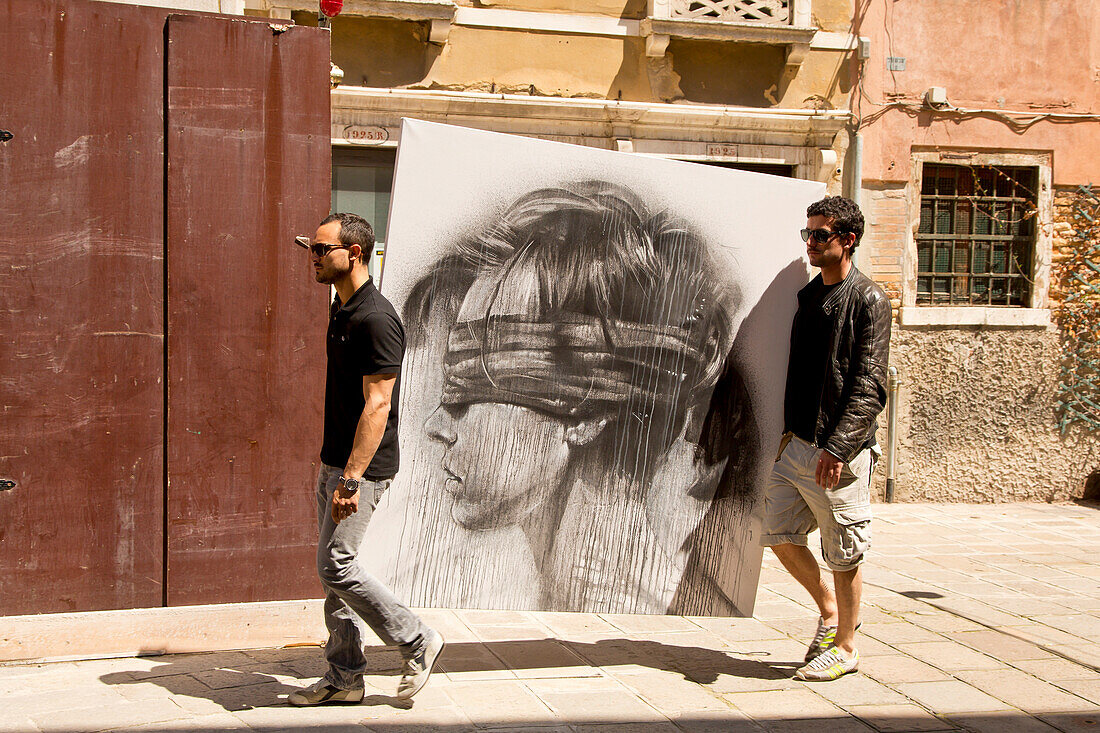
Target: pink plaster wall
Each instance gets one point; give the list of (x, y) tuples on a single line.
[(1015, 55)]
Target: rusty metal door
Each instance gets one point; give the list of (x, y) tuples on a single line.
[(81, 306), (93, 437), (249, 165)]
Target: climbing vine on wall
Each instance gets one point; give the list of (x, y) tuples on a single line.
[(1076, 298)]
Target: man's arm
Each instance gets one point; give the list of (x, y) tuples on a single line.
[(377, 394)]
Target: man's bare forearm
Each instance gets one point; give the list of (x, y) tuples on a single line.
[(368, 435)]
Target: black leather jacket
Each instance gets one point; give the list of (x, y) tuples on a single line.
[(854, 390)]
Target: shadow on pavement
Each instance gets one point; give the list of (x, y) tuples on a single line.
[(230, 689), (236, 681)]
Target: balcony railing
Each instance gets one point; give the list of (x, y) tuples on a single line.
[(764, 11), (771, 12), (779, 22)]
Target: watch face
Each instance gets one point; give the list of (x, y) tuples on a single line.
[(351, 485)]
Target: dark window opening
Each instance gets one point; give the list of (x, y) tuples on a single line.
[(775, 169)]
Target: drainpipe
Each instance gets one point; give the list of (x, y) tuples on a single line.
[(892, 383), (854, 160)]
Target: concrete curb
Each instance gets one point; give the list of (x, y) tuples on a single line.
[(149, 631)]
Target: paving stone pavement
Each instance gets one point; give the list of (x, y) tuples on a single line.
[(977, 618)]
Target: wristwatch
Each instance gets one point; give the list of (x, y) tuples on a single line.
[(350, 485)]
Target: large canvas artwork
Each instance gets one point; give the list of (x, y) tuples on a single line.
[(592, 389)]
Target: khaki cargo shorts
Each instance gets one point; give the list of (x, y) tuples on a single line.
[(794, 505)]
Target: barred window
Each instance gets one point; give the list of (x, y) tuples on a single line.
[(976, 240)]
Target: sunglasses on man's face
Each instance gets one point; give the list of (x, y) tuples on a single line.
[(319, 249), (821, 236)]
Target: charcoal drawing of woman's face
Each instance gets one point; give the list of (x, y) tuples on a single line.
[(584, 331), (488, 486)]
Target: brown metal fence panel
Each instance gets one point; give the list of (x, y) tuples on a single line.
[(81, 306), (249, 165)]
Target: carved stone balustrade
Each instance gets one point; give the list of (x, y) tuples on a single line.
[(776, 22)]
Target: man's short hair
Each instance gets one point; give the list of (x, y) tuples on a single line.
[(846, 216), (354, 229)]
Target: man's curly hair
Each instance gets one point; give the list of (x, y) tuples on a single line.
[(846, 216)]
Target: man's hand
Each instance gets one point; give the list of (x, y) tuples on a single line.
[(344, 504), (828, 470)]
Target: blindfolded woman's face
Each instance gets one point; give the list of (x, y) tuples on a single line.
[(501, 461)]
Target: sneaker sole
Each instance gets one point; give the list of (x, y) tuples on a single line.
[(334, 700), (798, 676)]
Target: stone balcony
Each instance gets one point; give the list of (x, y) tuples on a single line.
[(776, 22)]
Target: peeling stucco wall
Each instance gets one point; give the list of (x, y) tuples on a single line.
[(540, 64), (1031, 56), (377, 52), (977, 418), (832, 15), (978, 406), (754, 75)]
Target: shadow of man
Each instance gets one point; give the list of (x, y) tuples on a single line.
[(695, 663), (730, 435), (236, 681)]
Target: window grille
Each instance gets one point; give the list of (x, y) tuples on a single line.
[(976, 238)]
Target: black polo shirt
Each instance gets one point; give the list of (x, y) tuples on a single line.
[(365, 337)]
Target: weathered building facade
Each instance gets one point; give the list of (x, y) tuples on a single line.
[(785, 86), (967, 130), (980, 136), (745, 83)]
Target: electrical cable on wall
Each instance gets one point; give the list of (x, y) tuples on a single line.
[(1018, 120)]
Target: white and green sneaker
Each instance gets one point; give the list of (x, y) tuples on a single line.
[(829, 665), (823, 641)]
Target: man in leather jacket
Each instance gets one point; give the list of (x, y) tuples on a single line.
[(836, 387)]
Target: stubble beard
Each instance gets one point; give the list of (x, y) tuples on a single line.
[(328, 275)]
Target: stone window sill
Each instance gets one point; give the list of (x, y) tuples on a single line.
[(1003, 317)]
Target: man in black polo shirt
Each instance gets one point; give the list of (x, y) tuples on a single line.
[(359, 458), (836, 386)]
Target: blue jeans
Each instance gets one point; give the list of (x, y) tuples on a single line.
[(352, 595)]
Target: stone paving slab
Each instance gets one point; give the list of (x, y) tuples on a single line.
[(977, 618)]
